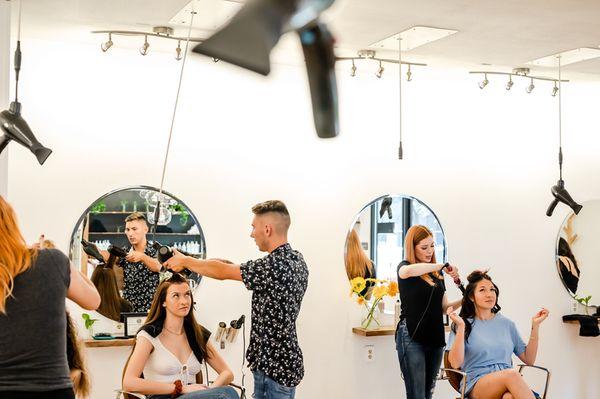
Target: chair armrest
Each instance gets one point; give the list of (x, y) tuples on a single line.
[(463, 381), (522, 366)]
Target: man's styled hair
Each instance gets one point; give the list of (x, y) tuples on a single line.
[(277, 207), (136, 216)]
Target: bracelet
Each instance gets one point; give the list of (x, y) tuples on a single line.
[(178, 389)]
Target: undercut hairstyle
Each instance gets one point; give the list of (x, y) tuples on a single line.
[(276, 207), (136, 216)]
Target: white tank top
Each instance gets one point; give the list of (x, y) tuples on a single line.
[(164, 366)]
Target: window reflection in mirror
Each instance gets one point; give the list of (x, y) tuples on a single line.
[(375, 242)]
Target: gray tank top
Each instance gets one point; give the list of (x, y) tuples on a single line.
[(33, 346)]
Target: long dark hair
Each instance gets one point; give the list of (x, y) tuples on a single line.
[(76, 360), (157, 314), (467, 310), (105, 281)]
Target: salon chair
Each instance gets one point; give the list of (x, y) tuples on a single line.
[(122, 394), (458, 381)]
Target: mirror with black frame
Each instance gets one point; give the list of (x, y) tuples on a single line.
[(375, 242), (578, 254), (114, 244)]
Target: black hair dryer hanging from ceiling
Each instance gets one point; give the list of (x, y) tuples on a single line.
[(247, 41)]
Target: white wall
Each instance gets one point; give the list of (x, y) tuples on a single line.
[(483, 160), (4, 84)]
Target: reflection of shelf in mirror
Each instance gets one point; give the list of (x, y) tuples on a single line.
[(577, 322), (158, 234), (94, 343), (380, 331), (126, 212)]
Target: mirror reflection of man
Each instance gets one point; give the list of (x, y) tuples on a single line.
[(140, 267), (278, 282)]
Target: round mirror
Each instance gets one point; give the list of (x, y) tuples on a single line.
[(578, 253), (375, 242), (114, 245)]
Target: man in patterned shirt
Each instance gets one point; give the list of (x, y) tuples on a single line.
[(278, 282), (140, 267)]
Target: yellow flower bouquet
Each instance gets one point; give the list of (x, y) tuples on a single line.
[(378, 289)]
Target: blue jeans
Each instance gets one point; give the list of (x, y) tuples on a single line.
[(267, 388), (419, 364), (211, 393)]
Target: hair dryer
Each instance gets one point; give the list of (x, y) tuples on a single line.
[(562, 195), (14, 128), (247, 41)]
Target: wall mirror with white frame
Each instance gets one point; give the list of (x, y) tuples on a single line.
[(378, 230), (102, 228), (578, 253)]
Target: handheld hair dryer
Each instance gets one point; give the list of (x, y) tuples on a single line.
[(247, 41), (164, 253), (14, 127), (562, 195), (386, 206)]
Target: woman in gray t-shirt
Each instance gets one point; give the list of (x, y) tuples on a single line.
[(33, 287)]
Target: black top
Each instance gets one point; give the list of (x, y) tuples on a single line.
[(422, 302), (278, 282), (140, 283), (33, 339)]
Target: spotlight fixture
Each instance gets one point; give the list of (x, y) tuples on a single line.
[(554, 90), (484, 82), (530, 87), (510, 83), (178, 51), (558, 191), (144, 48), (106, 45), (379, 73), (518, 73), (408, 74), (353, 69)]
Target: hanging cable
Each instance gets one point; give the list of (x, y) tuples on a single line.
[(164, 169), (400, 152), (17, 60), (560, 156)]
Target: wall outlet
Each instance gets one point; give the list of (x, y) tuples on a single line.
[(369, 353)]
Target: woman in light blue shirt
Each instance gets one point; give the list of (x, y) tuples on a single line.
[(482, 342)]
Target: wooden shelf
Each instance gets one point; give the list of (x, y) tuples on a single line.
[(380, 331), (98, 343), (577, 322)]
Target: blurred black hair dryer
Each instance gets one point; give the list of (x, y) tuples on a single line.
[(113, 251), (249, 37), (562, 195)]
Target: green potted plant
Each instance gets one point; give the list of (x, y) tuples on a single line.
[(89, 323), (184, 214), (585, 301)]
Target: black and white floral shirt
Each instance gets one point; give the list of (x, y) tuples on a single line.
[(139, 282), (278, 282)]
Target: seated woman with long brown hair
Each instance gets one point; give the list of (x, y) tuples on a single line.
[(170, 348), (357, 262)]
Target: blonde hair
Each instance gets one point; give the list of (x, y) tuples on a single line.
[(15, 256), (357, 262), (414, 236)]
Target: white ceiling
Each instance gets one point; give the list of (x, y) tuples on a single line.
[(502, 33)]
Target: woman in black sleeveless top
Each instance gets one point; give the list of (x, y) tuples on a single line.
[(420, 338)]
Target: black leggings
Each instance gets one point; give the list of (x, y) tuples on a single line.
[(58, 394)]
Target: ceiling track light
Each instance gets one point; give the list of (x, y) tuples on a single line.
[(106, 45), (379, 73), (162, 32), (518, 73), (484, 82), (370, 55)]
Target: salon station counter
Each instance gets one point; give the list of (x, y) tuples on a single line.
[(380, 331), (96, 343)]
